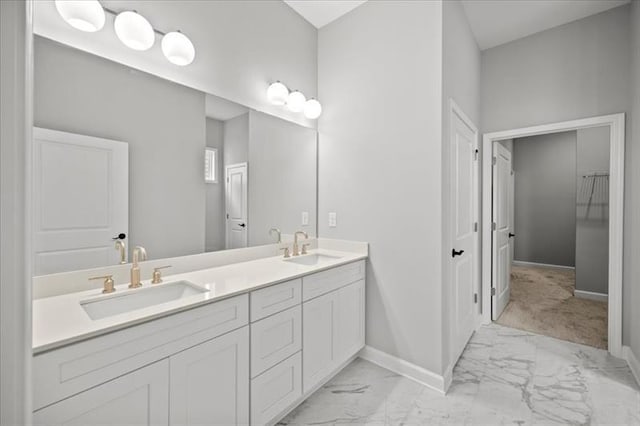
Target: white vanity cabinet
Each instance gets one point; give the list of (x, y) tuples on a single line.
[(333, 323), (247, 359)]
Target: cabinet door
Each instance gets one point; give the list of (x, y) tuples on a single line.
[(349, 321), (210, 382), (138, 398), (318, 339)]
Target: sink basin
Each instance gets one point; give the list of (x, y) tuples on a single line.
[(312, 259), (106, 306)]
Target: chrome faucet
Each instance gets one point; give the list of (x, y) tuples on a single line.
[(296, 252), (277, 231), (139, 254)]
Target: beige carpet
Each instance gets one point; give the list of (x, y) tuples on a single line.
[(542, 302)]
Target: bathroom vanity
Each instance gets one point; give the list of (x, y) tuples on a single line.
[(259, 338)]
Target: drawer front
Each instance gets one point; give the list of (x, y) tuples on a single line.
[(323, 282), (63, 372), (275, 338), (271, 300), (276, 390)]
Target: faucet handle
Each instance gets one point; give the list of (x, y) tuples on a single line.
[(304, 248), (157, 275), (108, 285), (286, 252)]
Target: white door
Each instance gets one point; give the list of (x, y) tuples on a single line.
[(139, 398), (464, 250), (502, 210), (80, 200), (236, 205), (210, 382)]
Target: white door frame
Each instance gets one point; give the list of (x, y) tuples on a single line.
[(454, 109), (616, 123)]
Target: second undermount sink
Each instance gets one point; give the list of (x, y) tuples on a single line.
[(106, 306), (312, 259)]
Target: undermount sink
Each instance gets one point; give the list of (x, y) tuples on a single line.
[(106, 306), (312, 259)]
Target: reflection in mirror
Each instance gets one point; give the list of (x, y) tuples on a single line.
[(124, 157)]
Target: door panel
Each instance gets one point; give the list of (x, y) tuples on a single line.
[(80, 197), (464, 238), (210, 382), (349, 331), (502, 217), (236, 205), (318, 339), (139, 398)]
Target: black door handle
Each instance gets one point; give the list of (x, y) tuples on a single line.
[(120, 236), (511, 235), (455, 253), (242, 225)]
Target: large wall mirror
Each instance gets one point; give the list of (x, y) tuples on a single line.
[(122, 155)]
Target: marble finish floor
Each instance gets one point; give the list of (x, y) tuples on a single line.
[(504, 377)]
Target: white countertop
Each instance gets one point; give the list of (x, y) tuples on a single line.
[(61, 320)]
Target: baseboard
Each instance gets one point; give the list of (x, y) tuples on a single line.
[(633, 361), (544, 265), (406, 369), (600, 297)]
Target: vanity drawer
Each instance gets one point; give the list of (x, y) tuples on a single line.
[(276, 390), (68, 370), (275, 338), (270, 300), (323, 282)]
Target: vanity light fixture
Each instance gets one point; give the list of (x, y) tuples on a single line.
[(277, 93), (134, 31), (312, 109), (178, 49), (84, 15), (296, 101)]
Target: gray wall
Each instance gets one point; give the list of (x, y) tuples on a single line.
[(580, 69), (461, 83), (282, 177), (545, 198), (631, 327), (236, 140), (380, 151), (15, 288), (163, 123), (592, 220), (215, 195)]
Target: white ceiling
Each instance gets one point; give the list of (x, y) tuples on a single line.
[(321, 12), (496, 22)]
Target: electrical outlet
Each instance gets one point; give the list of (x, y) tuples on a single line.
[(305, 218), (332, 220)]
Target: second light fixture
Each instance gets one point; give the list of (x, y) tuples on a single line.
[(278, 94)]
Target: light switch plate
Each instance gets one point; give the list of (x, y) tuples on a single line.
[(305, 218), (332, 220)]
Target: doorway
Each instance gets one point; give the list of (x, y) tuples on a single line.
[(236, 205), (498, 229)]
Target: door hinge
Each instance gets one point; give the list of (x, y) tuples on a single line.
[(475, 155), (227, 215), (511, 172), (493, 291), (475, 297), (494, 161), (475, 227), (493, 226)]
